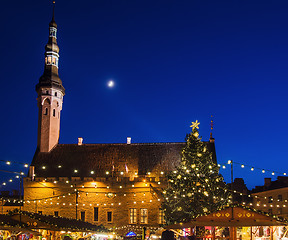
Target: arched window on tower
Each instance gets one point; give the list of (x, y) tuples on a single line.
[(53, 32), (54, 112), (46, 111)]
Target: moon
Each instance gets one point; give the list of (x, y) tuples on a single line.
[(111, 84)]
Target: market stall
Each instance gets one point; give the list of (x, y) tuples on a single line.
[(26, 225), (235, 223)]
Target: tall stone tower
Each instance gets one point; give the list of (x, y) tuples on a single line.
[(50, 94)]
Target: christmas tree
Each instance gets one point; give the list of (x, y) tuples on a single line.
[(195, 188)]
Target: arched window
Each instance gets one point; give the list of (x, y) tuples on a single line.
[(54, 112), (46, 111)]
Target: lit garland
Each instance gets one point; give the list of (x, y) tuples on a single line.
[(25, 165), (252, 168)]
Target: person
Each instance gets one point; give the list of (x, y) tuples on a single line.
[(192, 237), (167, 235)]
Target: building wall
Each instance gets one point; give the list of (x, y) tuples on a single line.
[(273, 201), (117, 195)]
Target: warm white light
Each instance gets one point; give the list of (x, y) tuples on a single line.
[(242, 166), (107, 173), (26, 165), (229, 161), (111, 83), (43, 167), (252, 169), (263, 171), (59, 166), (92, 172), (75, 171), (121, 173), (8, 163)]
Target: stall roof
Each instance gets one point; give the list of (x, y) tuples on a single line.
[(237, 216), (40, 221)]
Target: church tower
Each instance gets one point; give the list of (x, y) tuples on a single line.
[(50, 94)]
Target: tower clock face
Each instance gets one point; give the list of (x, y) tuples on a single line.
[(110, 195)]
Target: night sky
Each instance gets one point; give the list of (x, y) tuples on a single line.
[(172, 62)]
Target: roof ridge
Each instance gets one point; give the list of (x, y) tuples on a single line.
[(121, 144)]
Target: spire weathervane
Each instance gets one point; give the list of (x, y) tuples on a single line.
[(53, 2), (212, 126)]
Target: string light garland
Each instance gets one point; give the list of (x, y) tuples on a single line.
[(25, 165), (252, 168)]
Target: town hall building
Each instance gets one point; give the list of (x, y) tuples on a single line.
[(117, 185)]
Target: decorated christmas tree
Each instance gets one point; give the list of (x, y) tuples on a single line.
[(195, 188)]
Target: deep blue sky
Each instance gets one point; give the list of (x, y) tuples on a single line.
[(172, 61)]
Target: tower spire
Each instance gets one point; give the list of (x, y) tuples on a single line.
[(50, 94)]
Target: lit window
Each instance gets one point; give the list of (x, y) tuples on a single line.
[(144, 215), (133, 215), (49, 60), (161, 216)]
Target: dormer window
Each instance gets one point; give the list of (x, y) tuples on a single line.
[(52, 32)]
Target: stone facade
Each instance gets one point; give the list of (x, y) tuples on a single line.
[(133, 203)]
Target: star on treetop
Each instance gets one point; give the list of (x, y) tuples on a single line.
[(195, 125)]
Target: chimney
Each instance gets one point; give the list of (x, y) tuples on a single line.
[(128, 140), (267, 182), (80, 141), (32, 172)]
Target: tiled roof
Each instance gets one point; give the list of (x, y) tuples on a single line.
[(141, 158)]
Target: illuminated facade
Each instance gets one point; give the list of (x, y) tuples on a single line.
[(117, 185), (272, 197)]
